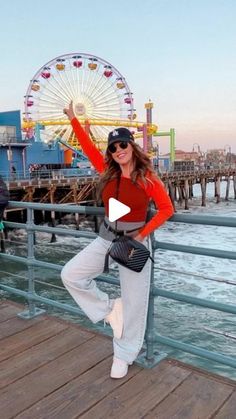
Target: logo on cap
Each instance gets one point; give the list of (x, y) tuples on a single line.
[(114, 133)]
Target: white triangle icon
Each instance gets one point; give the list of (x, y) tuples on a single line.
[(116, 209)]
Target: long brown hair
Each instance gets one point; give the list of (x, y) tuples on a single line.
[(142, 165)]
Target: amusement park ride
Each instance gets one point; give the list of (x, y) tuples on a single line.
[(101, 97)]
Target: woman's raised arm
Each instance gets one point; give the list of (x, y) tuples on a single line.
[(88, 147)]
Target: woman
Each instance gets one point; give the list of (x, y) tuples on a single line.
[(126, 175)]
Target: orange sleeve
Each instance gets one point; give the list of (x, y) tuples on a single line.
[(88, 147), (156, 191)]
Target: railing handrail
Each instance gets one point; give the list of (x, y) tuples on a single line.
[(149, 359), (99, 211), (20, 175)]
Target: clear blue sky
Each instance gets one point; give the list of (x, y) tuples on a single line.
[(179, 53)]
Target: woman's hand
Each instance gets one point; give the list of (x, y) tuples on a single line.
[(69, 111)]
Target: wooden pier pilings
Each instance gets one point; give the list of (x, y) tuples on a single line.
[(203, 183), (180, 184), (80, 190)]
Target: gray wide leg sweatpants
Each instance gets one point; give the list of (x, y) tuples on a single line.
[(78, 277)]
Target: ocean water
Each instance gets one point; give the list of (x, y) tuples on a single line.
[(199, 276)]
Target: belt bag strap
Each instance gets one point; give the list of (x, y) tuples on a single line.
[(117, 195), (106, 262)]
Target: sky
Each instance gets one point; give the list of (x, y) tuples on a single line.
[(178, 53)]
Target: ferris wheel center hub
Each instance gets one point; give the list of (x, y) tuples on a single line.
[(79, 109)]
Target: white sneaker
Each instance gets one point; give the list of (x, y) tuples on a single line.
[(115, 318), (119, 368)]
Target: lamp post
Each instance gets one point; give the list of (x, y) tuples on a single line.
[(198, 147), (199, 154), (228, 152), (148, 107)]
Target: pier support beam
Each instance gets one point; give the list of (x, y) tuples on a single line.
[(175, 192), (234, 183), (172, 193), (203, 189), (190, 189), (186, 194), (217, 189), (180, 194), (227, 189)]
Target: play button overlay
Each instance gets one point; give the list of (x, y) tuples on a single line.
[(116, 209)]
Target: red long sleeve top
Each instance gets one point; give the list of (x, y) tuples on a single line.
[(135, 196)]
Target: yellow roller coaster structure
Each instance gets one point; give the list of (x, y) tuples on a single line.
[(101, 142), (152, 128)]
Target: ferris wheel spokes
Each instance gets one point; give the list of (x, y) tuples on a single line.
[(97, 89)]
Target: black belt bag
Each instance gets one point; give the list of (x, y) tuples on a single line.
[(127, 252)]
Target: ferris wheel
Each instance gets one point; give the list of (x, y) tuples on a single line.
[(97, 89)]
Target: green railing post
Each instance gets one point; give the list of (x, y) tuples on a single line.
[(2, 241), (150, 321), (150, 358), (33, 310)]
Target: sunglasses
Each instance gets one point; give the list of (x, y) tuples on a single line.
[(113, 147)]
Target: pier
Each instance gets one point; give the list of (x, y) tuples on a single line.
[(56, 188), (51, 368), (180, 184)]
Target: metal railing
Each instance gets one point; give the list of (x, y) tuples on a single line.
[(20, 175), (150, 357), (10, 139), (47, 174)]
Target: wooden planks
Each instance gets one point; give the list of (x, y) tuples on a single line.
[(22, 364), (228, 410), (7, 312), (50, 377), (197, 397), (71, 400), (15, 325), (140, 394), (27, 338), (51, 369)]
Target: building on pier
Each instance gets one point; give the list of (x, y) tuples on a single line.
[(21, 157)]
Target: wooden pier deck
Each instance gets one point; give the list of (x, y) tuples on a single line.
[(50, 368)]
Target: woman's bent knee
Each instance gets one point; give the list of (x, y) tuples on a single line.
[(72, 278), (65, 275), (68, 275)]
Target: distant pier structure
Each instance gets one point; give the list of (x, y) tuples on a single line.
[(55, 190), (82, 190), (180, 184)]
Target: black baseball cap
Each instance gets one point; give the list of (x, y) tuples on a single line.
[(120, 134)]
